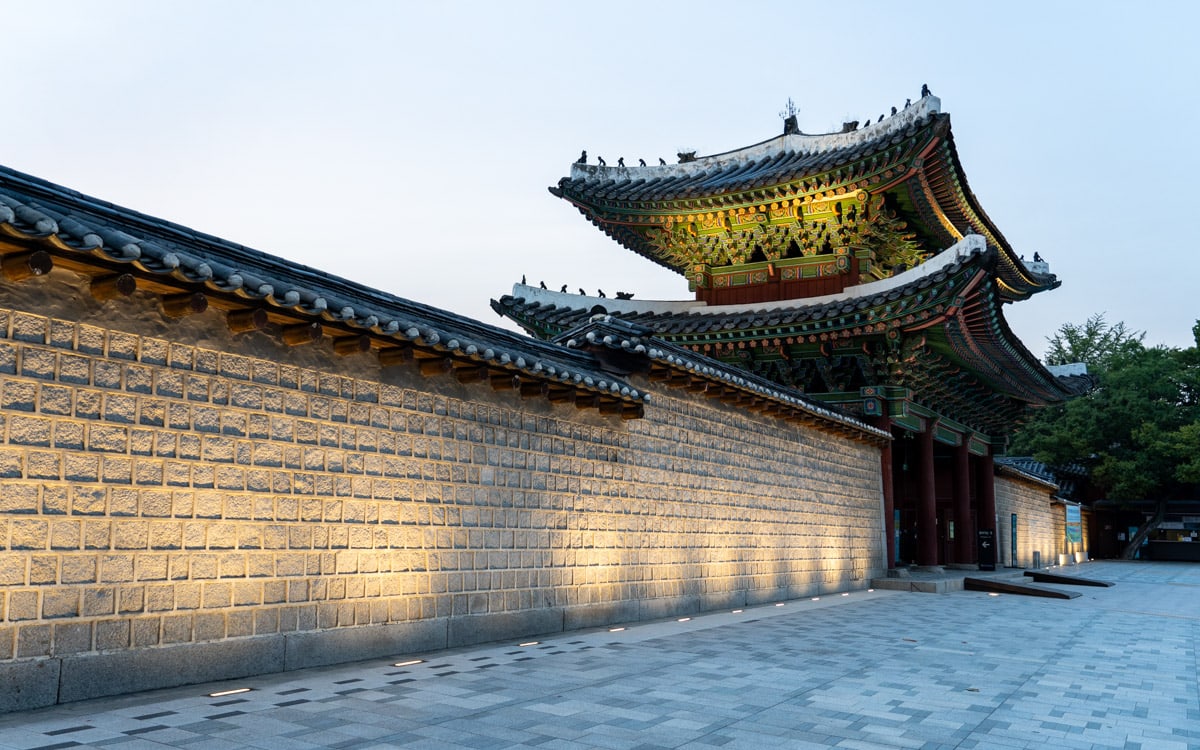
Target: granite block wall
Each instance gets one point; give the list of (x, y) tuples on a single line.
[(1041, 524), (179, 503)]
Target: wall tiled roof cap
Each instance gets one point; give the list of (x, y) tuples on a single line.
[(93, 231)]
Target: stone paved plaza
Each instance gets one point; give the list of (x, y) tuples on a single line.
[(1114, 668)]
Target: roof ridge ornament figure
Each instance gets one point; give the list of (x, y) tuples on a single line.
[(582, 158), (925, 90), (788, 115)]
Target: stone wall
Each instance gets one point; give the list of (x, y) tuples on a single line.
[(180, 504), (1041, 524)]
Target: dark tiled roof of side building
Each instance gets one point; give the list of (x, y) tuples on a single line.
[(620, 335)]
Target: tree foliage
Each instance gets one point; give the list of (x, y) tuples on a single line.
[(1138, 432), (1095, 343)]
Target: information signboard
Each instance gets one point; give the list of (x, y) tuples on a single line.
[(987, 549), (1074, 525)]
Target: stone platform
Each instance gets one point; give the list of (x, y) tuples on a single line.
[(948, 580)]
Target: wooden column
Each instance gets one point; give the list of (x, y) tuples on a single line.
[(927, 541), (889, 492), (985, 489), (963, 533)]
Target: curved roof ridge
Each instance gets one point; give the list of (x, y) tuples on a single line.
[(800, 143)]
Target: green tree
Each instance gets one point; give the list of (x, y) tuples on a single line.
[(1138, 432), (1095, 343)]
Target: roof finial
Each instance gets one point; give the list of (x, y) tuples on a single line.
[(788, 115)]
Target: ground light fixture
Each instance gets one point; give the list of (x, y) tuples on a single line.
[(528, 643), (615, 630), (816, 598), (234, 691), (737, 612), (778, 604), (684, 619), (408, 663)]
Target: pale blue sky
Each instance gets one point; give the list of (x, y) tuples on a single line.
[(409, 146)]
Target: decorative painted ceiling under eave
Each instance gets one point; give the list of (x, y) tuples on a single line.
[(664, 212)]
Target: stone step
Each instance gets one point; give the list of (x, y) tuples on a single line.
[(938, 583), (1041, 576), (997, 586)]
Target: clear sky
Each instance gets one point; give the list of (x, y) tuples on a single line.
[(408, 146)]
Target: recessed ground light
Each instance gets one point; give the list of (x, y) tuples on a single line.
[(870, 591), (529, 643), (737, 611), (409, 663), (993, 593), (223, 693), (816, 598), (778, 604), (845, 593), (684, 619), (615, 630)]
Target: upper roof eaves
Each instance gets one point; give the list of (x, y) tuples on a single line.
[(780, 158)]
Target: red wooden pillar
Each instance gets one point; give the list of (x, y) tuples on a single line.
[(927, 541), (889, 492), (985, 488), (963, 534)]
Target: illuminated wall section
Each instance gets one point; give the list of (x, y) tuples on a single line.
[(180, 504), (1040, 522)]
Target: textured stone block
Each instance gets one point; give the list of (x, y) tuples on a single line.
[(595, 615), (29, 534), (464, 631), (25, 685), (98, 675), (108, 438), (18, 396), (61, 602), (12, 570), (34, 640), (32, 431), (314, 649)]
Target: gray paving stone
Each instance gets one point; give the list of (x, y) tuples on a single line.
[(1115, 668)]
